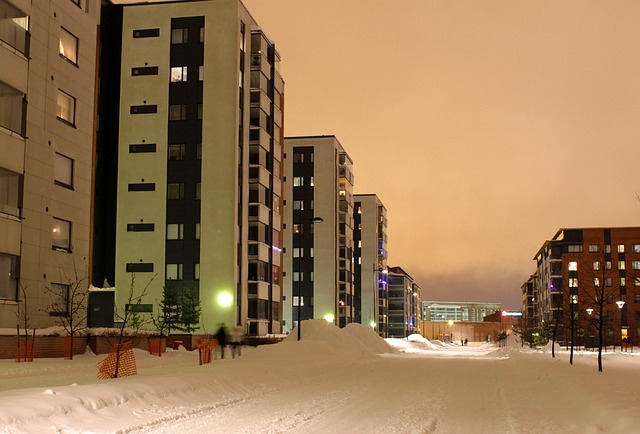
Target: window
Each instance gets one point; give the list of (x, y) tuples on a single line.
[(61, 234), (636, 281), (140, 267), (140, 227), (59, 300), (298, 301), (178, 74), (574, 248), (635, 265), (573, 266), (8, 277), (197, 231), (201, 34), (142, 186), (146, 33), (66, 107), (200, 72), (620, 248), (298, 158), (621, 265), (596, 265), (298, 181), (175, 231), (608, 281), (594, 248), (607, 248), (68, 46), (298, 252), (12, 113), (623, 281), (9, 192), (14, 27), (174, 272), (198, 190), (144, 70), (177, 152), (636, 297), (607, 265), (596, 282), (63, 170), (199, 151), (636, 248), (142, 148), (298, 205), (199, 111), (573, 282), (143, 109), (196, 271), (175, 191), (177, 112), (179, 36)]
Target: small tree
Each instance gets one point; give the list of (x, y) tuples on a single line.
[(168, 315), (71, 308), (191, 309), (131, 316), (22, 313)]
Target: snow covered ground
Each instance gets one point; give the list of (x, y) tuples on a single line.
[(332, 381)]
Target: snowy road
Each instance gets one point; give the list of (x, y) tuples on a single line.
[(415, 394)]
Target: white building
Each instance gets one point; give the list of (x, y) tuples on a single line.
[(47, 87), (319, 262)]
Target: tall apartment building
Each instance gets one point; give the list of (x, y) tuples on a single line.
[(370, 262), (404, 303), (47, 83), (319, 262), (198, 154), (579, 267)]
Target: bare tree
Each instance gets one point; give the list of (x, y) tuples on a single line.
[(69, 303), (22, 313)]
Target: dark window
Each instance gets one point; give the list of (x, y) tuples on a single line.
[(143, 109), (142, 147), (142, 186), (179, 36), (139, 307), (144, 70), (140, 267), (146, 33), (59, 299), (177, 112), (140, 227), (8, 276)]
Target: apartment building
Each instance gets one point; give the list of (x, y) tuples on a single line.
[(581, 270), (47, 86), (404, 303), (198, 191), (370, 262), (318, 266)]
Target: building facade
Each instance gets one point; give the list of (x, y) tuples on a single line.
[(47, 87), (404, 304), (198, 192), (585, 274), (444, 311), (318, 279), (370, 262)]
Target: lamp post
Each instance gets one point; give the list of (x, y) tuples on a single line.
[(620, 304), (311, 221)]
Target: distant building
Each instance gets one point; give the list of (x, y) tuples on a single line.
[(318, 265), (404, 304), (576, 269), (370, 262), (454, 321), (47, 86), (191, 146), (443, 311)]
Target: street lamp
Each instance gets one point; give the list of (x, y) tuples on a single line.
[(311, 221), (620, 304)]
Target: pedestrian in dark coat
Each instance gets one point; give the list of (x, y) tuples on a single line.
[(221, 337)]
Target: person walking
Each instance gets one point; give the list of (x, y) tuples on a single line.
[(221, 337), (236, 341)]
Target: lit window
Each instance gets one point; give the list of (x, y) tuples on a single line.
[(573, 266), (61, 234), (63, 170), (620, 248), (298, 301), (197, 231), (177, 112), (636, 281), (201, 34), (574, 248), (68, 46), (177, 152), (178, 74), (175, 231), (636, 248), (298, 181), (573, 282), (623, 281), (8, 277), (298, 252), (593, 248), (621, 265), (9, 192), (179, 36), (66, 107), (175, 191), (607, 265), (311, 182), (596, 282), (200, 72), (596, 265), (298, 205), (196, 271), (297, 276), (635, 265), (59, 294), (174, 272), (608, 281), (14, 27), (297, 229), (11, 108)]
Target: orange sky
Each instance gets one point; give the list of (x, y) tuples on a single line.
[(483, 126)]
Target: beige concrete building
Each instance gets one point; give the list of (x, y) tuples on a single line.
[(199, 161), (47, 86)]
